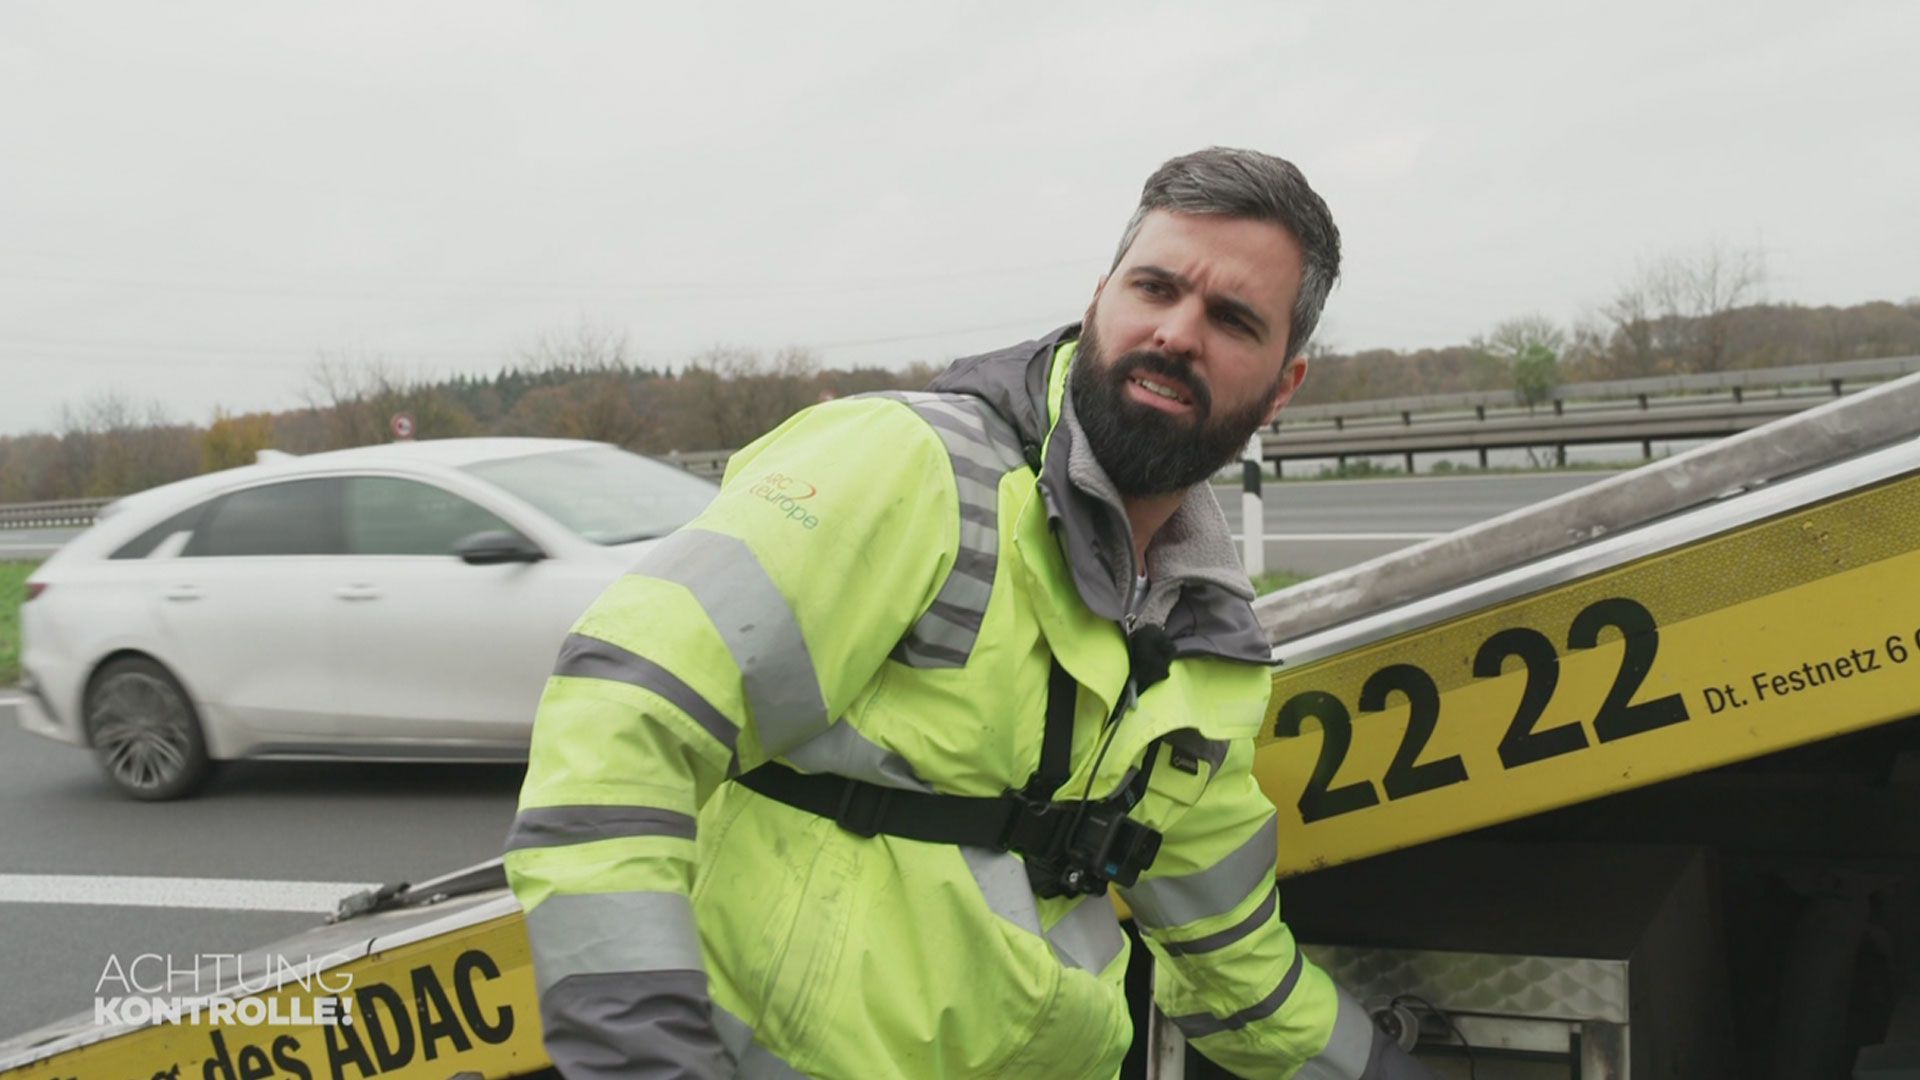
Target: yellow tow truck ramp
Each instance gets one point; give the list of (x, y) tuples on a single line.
[(1784, 616), (1538, 779), (421, 983), (1455, 738)]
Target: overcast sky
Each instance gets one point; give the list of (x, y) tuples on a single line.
[(198, 199)]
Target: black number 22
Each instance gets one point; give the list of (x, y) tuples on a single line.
[(1407, 775), (1619, 715)]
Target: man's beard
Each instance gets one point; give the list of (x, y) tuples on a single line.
[(1144, 450)]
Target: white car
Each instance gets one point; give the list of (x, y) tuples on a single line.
[(400, 602)]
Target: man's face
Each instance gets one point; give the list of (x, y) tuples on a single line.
[(1184, 351)]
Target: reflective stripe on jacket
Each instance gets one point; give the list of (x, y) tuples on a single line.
[(876, 593)]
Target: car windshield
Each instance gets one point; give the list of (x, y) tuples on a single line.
[(607, 495)]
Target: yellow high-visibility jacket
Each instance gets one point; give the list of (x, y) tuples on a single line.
[(877, 593)]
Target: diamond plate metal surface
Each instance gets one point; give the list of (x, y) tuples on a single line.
[(1549, 987)]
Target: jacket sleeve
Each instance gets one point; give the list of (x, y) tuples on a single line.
[(1227, 969), (730, 642)]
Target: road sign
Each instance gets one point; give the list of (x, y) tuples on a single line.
[(401, 426)]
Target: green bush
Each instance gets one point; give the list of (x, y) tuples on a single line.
[(1360, 469)]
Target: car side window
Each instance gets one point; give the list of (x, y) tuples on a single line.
[(297, 517), (389, 516)]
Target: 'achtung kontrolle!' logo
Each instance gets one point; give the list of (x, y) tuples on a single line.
[(223, 988)]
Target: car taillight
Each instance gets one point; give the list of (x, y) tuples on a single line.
[(35, 588)]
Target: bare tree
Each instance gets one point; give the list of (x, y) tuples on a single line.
[(730, 396), (917, 375), (32, 469), (602, 400), (1706, 289), (1632, 315), (1585, 355), (357, 395), (112, 444), (1631, 311), (604, 408), (1681, 309), (586, 348)]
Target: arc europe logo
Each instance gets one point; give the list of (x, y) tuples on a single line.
[(789, 494)]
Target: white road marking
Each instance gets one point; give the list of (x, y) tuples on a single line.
[(213, 894), (1295, 538)]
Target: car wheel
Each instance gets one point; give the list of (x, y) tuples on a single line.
[(144, 732)]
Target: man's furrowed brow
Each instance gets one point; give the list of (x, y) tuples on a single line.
[(1161, 273), (1221, 301)]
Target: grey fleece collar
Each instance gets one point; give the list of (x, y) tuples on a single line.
[(1193, 546), (1198, 590)]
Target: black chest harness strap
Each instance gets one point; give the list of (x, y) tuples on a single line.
[(1070, 847)]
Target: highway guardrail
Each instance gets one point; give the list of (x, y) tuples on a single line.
[(1832, 377), (60, 514)]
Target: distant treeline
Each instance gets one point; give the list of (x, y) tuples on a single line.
[(1755, 336), (1683, 313), (582, 385)]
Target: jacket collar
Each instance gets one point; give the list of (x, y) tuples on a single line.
[(1198, 593)]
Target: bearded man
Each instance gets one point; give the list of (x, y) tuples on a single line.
[(836, 782)]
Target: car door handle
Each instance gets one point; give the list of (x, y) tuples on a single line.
[(357, 592), (183, 593)]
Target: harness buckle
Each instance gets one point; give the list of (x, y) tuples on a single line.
[(862, 808), (1033, 828)]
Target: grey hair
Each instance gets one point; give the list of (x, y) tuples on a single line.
[(1258, 187)]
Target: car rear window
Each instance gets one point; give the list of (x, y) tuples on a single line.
[(143, 545), (297, 517)]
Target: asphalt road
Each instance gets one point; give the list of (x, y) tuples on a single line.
[(88, 858), (32, 543), (1314, 526), (87, 877)]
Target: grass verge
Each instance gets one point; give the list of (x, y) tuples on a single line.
[(13, 590), (1275, 580)]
